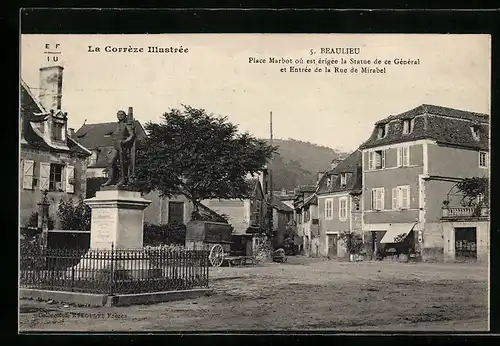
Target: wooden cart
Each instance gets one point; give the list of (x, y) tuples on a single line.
[(213, 237)]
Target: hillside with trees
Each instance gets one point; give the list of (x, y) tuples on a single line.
[(298, 162)]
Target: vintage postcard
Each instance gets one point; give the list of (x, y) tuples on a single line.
[(252, 182)]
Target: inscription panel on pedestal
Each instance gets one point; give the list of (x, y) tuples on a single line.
[(103, 228)]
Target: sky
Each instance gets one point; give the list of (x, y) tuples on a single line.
[(331, 109)]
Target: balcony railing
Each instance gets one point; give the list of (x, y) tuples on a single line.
[(465, 212)]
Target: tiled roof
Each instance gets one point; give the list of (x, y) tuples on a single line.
[(351, 165), (99, 135), (280, 205), (29, 109), (444, 125), (209, 214), (313, 199)]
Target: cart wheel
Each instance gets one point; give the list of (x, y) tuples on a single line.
[(216, 255)]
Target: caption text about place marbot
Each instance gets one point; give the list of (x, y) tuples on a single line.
[(335, 61)]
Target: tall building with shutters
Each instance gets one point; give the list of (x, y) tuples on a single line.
[(411, 163), (50, 159)]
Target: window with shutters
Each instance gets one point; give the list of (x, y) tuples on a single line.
[(175, 212), (401, 198), (56, 177), (376, 159), (27, 169), (378, 198), (329, 209), (343, 208), (403, 159)]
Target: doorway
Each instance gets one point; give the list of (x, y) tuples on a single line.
[(332, 245), (465, 243)]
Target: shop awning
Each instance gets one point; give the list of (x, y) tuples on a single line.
[(396, 233)]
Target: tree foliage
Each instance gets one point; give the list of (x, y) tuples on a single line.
[(198, 155), (165, 234), (74, 216), (475, 191)]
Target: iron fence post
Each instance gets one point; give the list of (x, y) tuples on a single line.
[(72, 278), (111, 281)]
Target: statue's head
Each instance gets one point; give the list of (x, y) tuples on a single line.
[(121, 115)]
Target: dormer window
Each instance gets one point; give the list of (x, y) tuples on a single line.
[(408, 126), (108, 134), (57, 131), (475, 132), (343, 179), (328, 181), (382, 131)]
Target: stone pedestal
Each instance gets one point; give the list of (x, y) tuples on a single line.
[(117, 219)]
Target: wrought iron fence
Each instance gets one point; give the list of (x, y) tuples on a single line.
[(114, 271)]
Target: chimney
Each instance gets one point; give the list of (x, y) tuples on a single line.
[(50, 94), (335, 162), (71, 132), (130, 113)]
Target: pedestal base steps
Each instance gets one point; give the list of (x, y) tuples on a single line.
[(94, 265)]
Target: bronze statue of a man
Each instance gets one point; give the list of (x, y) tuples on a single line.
[(123, 139)]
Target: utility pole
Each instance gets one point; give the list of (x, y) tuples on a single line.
[(270, 175)]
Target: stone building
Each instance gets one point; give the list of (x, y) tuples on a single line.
[(50, 158), (410, 163)]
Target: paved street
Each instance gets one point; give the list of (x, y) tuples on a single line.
[(302, 294)]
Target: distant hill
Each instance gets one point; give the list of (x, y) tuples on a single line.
[(298, 162)]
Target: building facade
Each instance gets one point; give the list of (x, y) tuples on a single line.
[(339, 204), (410, 164), (306, 216), (50, 158)]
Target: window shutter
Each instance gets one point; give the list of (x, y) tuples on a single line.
[(383, 159), (395, 192), (406, 156), (27, 171), (374, 199), (44, 175), (70, 176), (370, 159), (381, 205), (405, 197), (400, 154)]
